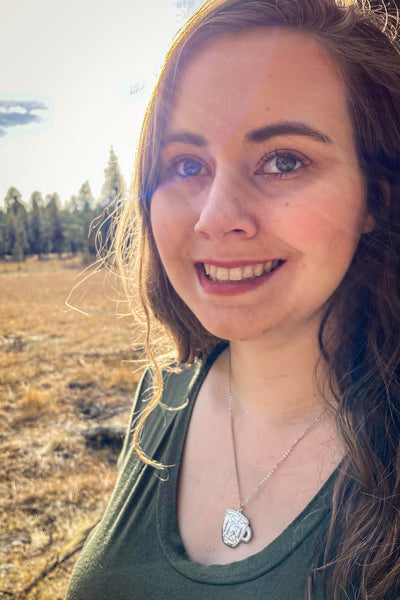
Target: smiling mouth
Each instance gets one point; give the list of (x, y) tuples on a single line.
[(245, 273)]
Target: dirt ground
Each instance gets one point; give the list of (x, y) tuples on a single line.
[(62, 373)]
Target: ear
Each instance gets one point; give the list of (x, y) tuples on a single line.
[(369, 223)]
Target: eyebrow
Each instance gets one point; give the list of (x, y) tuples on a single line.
[(286, 128), (185, 137), (259, 135)]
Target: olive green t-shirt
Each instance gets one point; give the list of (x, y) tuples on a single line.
[(136, 553)]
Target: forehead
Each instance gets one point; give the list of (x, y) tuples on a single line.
[(239, 82)]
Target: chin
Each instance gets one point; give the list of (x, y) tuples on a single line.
[(233, 331)]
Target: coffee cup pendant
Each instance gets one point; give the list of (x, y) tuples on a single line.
[(235, 528)]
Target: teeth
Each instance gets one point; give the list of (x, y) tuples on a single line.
[(258, 270), (248, 272), (222, 274), (236, 274), (215, 273)]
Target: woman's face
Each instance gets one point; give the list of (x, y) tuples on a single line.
[(261, 202)]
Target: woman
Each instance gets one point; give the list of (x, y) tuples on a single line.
[(268, 464)]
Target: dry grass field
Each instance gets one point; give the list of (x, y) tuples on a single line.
[(61, 373)]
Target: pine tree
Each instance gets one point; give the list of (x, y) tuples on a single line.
[(13, 200), (3, 250), (55, 224), (85, 199), (111, 195), (36, 224), (9, 231), (16, 225), (114, 185), (20, 246)]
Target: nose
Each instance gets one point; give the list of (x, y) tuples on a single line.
[(226, 209)]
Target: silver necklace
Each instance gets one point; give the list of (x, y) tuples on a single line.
[(236, 526)]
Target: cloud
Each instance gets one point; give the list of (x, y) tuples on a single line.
[(27, 105), (19, 112), (10, 119)]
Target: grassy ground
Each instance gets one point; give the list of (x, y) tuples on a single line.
[(61, 373)]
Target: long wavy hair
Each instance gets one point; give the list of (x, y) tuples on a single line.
[(361, 557)]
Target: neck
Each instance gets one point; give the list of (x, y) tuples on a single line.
[(276, 380)]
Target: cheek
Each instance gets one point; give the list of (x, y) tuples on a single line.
[(331, 206), (323, 221), (158, 216), (170, 224), (161, 233)]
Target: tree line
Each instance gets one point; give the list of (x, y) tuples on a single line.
[(42, 226)]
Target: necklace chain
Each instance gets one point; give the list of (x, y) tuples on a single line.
[(243, 503)]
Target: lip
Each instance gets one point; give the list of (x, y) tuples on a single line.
[(231, 288)]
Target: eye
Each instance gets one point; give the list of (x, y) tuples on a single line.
[(280, 163), (186, 166)]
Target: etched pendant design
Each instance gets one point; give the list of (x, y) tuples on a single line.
[(235, 528)]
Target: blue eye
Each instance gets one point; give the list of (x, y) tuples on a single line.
[(286, 163), (282, 162), (191, 167), (187, 167)]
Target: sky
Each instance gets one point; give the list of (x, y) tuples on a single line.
[(75, 79)]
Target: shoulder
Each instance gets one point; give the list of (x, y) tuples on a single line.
[(180, 383), (179, 388), (177, 383)]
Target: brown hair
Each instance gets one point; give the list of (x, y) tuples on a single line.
[(362, 549)]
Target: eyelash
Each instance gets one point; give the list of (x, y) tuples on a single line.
[(284, 153), (172, 167)]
